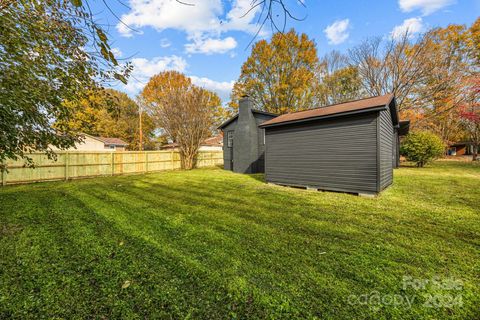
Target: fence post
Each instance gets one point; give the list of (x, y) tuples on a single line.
[(4, 173), (113, 163), (67, 163), (172, 159), (146, 161)]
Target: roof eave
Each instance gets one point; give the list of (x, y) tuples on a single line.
[(335, 115), (236, 116), (227, 122)]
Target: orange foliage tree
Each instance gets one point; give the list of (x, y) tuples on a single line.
[(280, 75), (186, 112)]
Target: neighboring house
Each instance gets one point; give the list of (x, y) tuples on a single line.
[(210, 144), (348, 147), (92, 143), (461, 148), (244, 141)]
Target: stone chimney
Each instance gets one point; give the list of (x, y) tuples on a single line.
[(245, 105), (245, 139)]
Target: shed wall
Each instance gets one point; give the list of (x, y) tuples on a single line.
[(387, 151), (260, 118), (332, 154)]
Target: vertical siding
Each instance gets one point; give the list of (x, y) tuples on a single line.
[(396, 150), (386, 139), (261, 118), (336, 154), (227, 152)]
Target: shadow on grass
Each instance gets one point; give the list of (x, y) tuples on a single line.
[(207, 244)]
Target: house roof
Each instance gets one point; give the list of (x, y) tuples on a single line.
[(461, 143), (216, 141), (108, 140), (253, 110), (112, 141), (345, 108)]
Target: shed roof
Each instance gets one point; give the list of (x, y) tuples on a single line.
[(337, 109)]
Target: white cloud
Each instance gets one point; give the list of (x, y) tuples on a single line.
[(144, 69), (117, 52), (412, 26), (210, 46), (223, 88), (165, 43), (164, 14), (241, 17), (206, 16), (204, 22), (426, 6), (337, 32)]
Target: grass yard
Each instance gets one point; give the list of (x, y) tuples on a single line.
[(211, 244)]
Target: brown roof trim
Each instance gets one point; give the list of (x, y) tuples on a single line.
[(340, 109)]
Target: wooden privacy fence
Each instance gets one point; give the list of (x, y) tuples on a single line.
[(84, 164)]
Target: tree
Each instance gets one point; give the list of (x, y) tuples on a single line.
[(339, 81), (453, 61), (280, 75), (422, 147), (43, 63), (110, 113), (395, 66), (470, 115), (184, 111)]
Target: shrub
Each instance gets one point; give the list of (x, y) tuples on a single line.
[(422, 147)]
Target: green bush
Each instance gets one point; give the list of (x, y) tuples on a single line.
[(422, 147)]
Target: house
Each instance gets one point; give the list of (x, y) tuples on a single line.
[(461, 148), (214, 143), (243, 140), (93, 143)]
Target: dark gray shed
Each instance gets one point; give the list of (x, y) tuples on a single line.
[(243, 140), (349, 147)]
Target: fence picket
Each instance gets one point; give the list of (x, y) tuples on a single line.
[(82, 164)]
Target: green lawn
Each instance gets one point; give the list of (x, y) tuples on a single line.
[(213, 244)]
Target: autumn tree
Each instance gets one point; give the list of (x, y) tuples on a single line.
[(51, 51), (339, 81), (470, 114), (280, 75), (184, 111), (395, 65), (110, 113), (452, 61)]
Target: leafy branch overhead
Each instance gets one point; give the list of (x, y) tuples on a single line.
[(57, 53)]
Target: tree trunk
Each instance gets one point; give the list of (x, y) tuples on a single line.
[(475, 152), (188, 160)]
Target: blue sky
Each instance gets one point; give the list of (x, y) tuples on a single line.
[(208, 41)]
